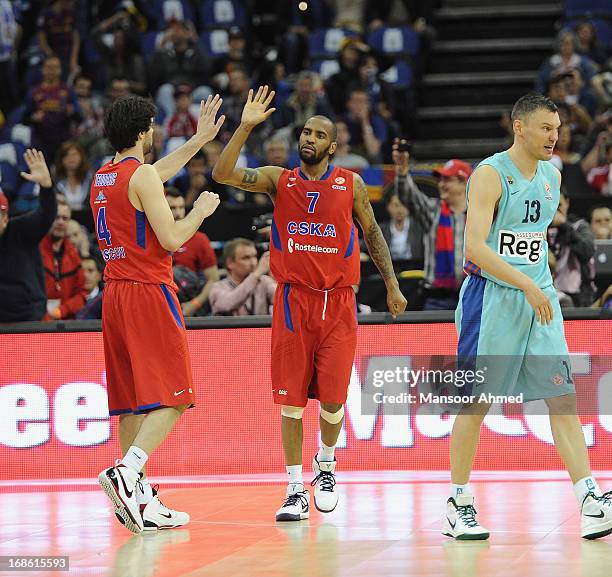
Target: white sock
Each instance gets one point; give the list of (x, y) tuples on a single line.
[(326, 453), (584, 486), (295, 476), (459, 489), (135, 458), (146, 494)]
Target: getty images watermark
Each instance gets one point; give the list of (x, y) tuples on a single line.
[(446, 383)]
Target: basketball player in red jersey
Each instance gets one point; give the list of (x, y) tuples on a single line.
[(314, 257), (148, 370)]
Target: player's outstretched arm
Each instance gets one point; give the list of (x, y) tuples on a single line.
[(145, 183), (377, 247), (208, 128), (263, 179), (484, 193)]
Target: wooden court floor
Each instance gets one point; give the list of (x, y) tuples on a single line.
[(378, 530)]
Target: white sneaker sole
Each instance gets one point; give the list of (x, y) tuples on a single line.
[(450, 532), (122, 511), (284, 517), (598, 531)]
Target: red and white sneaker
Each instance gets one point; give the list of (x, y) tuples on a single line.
[(155, 515), (119, 483)]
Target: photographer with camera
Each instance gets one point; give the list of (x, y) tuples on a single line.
[(247, 289), (596, 163), (443, 221)]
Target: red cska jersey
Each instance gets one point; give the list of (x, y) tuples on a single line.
[(314, 241), (127, 241)]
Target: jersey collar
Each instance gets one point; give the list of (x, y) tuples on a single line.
[(324, 177)]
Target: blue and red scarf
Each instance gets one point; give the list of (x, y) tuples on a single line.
[(444, 272)]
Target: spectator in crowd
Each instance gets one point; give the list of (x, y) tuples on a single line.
[(602, 86), (64, 277), (196, 254), (10, 35), (563, 154), (237, 56), (605, 300), (350, 57), (577, 116), (403, 234), (182, 123), (178, 60), (193, 180), (565, 59), (58, 35), (601, 222), (238, 89), (94, 287), (368, 130), (247, 289), (443, 223), (344, 156), (118, 87), (116, 41), (571, 250), (277, 152), (579, 93), (587, 43), (78, 237), (90, 130), (72, 175), (306, 101), (22, 286), (596, 164), (50, 108)]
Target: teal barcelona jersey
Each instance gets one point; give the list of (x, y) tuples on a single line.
[(526, 209)]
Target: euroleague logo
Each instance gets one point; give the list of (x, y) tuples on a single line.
[(339, 180)]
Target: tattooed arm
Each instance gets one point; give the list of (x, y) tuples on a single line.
[(263, 179), (377, 247)]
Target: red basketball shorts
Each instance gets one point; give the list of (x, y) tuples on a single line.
[(145, 348), (314, 335)]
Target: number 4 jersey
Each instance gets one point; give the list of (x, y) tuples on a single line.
[(127, 241), (526, 209), (314, 241)]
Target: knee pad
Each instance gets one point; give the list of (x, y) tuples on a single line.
[(332, 418), (292, 412)]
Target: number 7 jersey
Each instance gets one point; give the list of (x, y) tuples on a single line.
[(314, 241), (127, 241)]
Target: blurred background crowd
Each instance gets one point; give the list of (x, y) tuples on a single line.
[(420, 91)]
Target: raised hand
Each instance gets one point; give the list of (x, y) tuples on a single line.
[(207, 202), (39, 172), (400, 158), (256, 108), (207, 127)]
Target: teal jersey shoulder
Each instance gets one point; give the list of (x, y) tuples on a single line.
[(526, 209)]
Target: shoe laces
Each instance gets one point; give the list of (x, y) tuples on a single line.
[(326, 481), (604, 499), (294, 499), (467, 514)]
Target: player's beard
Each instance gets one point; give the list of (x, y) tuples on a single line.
[(313, 159)]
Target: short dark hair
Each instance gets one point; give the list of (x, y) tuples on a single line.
[(528, 104), (126, 118), (334, 132), (99, 263), (172, 191), (229, 248)]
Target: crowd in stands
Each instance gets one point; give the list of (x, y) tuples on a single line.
[(63, 61)]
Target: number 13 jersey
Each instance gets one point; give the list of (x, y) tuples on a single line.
[(314, 241)]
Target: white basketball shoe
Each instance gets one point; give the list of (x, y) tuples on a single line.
[(297, 504), (155, 515), (325, 494), (460, 522), (596, 515), (119, 483)]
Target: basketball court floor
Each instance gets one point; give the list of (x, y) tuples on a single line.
[(387, 524)]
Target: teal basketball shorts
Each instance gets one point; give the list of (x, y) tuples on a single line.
[(499, 335)]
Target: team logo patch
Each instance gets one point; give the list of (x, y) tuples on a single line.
[(100, 197), (339, 180), (510, 179), (547, 194), (557, 379)]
